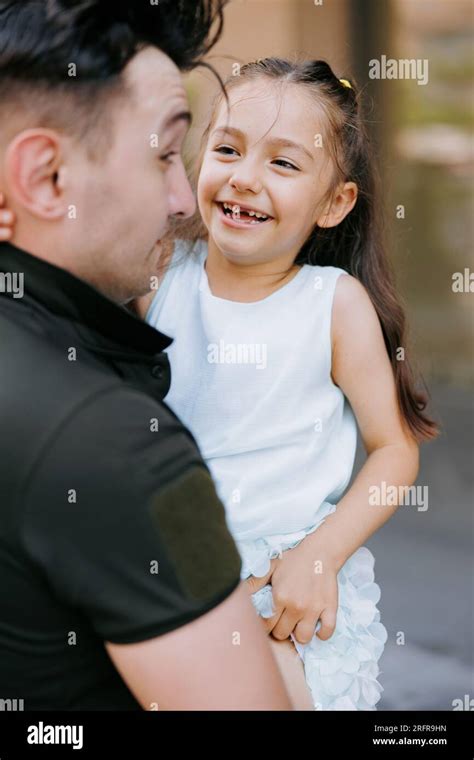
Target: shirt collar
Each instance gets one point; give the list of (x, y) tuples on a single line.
[(61, 293)]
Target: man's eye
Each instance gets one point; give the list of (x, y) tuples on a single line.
[(285, 164), (167, 158), (225, 150)]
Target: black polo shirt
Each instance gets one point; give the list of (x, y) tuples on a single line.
[(110, 527)]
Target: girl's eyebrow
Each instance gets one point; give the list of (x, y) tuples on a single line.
[(279, 142), (228, 131), (283, 142)]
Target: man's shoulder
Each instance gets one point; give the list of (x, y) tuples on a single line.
[(51, 394), (120, 489), (36, 347), (115, 432), (44, 377), (115, 439)]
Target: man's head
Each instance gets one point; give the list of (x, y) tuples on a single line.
[(94, 114)]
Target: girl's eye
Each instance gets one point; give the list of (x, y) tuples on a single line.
[(286, 164), (225, 150)]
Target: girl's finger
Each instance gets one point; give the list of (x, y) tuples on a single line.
[(328, 623), (255, 582), (285, 625), (304, 630), (270, 623), (2, 199), (5, 233)]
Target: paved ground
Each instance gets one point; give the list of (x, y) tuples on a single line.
[(424, 566)]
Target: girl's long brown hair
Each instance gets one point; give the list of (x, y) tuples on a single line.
[(357, 244)]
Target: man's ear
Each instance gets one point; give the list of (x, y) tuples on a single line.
[(34, 173), (343, 201)]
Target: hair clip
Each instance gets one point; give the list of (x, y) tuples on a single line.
[(346, 83)]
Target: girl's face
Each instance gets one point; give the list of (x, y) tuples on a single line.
[(263, 178)]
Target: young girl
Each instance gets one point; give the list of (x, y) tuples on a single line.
[(287, 333)]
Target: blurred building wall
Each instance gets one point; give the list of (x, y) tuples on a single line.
[(285, 28)]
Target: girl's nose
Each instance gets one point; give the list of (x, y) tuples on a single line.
[(245, 180)]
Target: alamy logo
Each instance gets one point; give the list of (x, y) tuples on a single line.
[(12, 705), (12, 282), (46, 734), (464, 704), (387, 495), (237, 353), (403, 68)]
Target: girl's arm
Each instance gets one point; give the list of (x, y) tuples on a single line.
[(362, 369)]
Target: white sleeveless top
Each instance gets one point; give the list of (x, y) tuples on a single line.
[(252, 382)]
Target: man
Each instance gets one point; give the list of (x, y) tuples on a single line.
[(119, 581)]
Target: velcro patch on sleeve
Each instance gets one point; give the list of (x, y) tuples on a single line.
[(190, 520)]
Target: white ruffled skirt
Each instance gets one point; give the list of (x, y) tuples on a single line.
[(341, 672)]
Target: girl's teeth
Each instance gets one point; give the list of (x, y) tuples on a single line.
[(235, 209)]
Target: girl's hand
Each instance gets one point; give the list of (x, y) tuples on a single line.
[(7, 220), (305, 590)]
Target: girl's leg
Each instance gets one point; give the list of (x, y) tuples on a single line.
[(292, 671)]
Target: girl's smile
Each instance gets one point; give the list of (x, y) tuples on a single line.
[(238, 216)]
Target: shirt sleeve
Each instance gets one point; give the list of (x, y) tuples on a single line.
[(122, 518)]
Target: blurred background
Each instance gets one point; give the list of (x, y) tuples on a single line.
[(423, 137)]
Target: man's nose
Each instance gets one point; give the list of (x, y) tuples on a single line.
[(180, 195)]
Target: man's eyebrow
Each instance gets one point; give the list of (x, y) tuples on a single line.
[(180, 116), (279, 142)]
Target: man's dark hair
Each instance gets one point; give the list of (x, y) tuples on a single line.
[(62, 60)]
